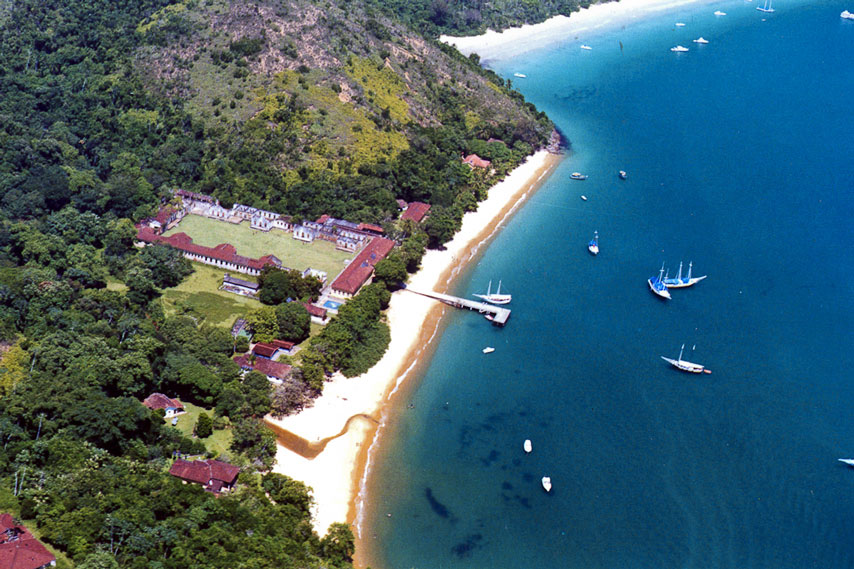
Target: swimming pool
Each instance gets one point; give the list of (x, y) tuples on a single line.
[(331, 305)]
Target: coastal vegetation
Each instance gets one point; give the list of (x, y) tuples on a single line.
[(297, 107)]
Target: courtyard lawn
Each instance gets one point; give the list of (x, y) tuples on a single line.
[(294, 254), (218, 442), (200, 295)]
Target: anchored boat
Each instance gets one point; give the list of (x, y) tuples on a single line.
[(683, 365), (495, 298), (527, 445), (657, 286), (680, 282), (578, 176), (593, 246), (547, 484)]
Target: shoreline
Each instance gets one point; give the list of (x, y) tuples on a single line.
[(582, 25), (326, 446)]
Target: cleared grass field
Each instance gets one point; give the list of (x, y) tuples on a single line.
[(320, 255), (200, 294), (218, 442)]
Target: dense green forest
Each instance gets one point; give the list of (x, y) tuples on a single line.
[(296, 106)]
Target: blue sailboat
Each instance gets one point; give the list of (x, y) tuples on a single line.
[(657, 286), (682, 282)]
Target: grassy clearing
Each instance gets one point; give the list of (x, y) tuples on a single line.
[(218, 442), (200, 294), (320, 255), (115, 284)]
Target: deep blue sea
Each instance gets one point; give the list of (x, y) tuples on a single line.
[(740, 158)]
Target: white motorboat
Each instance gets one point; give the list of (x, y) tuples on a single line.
[(593, 245), (521, 75), (680, 24), (527, 445), (683, 365), (583, 198), (586, 47), (547, 484), (719, 13), (682, 282), (488, 350), (848, 461), (766, 7), (495, 298), (577, 176), (679, 49), (623, 175), (701, 39), (657, 286), (846, 15)]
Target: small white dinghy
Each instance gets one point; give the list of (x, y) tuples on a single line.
[(848, 461), (527, 445), (547, 484), (488, 350), (584, 198)]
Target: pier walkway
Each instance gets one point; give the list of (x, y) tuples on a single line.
[(496, 314)]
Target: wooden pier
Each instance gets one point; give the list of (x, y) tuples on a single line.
[(496, 314)]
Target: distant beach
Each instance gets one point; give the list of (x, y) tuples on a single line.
[(326, 446), (561, 29)]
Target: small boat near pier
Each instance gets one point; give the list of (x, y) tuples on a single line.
[(495, 298)]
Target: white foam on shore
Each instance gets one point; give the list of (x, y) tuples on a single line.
[(561, 29)]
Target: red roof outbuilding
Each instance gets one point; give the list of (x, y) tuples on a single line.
[(264, 350), (276, 370), (416, 211), (160, 401), (475, 161), (315, 310), (19, 549), (212, 474)]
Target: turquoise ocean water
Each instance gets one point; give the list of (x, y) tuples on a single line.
[(740, 156)]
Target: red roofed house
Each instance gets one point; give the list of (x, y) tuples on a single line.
[(474, 161), (214, 475), (223, 255), (273, 349), (360, 269), (19, 549), (159, 401), (416, 211), (317, 313), (276, 372), (370, 228)]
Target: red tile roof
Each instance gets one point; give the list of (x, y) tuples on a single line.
[(224, 252), (315, 310), (371, 227), (283, 344), (416, 211), (19, 549), (265, 366), (476, 161), (360, 269), (264, 350), (322, 219), (160, 401), (164, 215), (205, 471)]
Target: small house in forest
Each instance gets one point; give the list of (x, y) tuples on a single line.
[(214, 475), (172, 407)]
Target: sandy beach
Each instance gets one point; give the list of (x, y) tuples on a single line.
[(582, 26), (326, 445)]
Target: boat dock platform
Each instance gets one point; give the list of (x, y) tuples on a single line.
[(496, 314)]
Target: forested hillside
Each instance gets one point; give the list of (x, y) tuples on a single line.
[(300, 107)]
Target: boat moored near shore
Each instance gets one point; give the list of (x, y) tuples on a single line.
[(577, 176), (495, 297), (683, 282)]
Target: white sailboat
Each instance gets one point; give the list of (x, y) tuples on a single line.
[(547, 484), (593, 246), (686, 365), (680, 282), (848, 461), (495, 298), (527, 445), (766, 7)]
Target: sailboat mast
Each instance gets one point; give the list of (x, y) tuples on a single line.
[(680, 352), (691, 264), (499, 288), (679, 276)]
